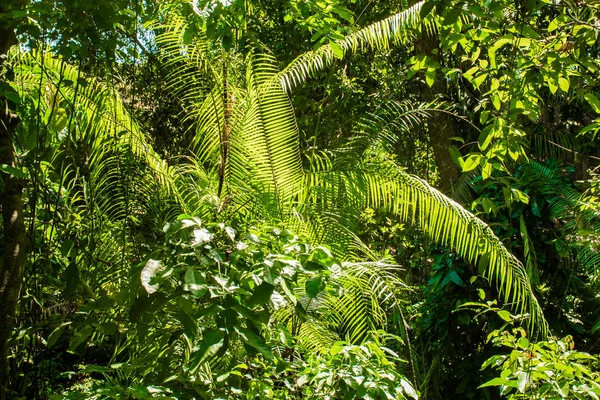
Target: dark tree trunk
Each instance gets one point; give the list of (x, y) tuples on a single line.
[(11, 269), (442, 127)]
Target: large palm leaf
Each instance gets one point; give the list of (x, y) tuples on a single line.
[(322, 200)]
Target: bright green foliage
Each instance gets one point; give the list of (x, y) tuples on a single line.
[(204, 306), (226, 302), (355, 372), (243, 124), (542, 370)]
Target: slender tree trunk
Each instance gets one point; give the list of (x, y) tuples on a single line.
[(11, 269), (227, 112), (442, 127)]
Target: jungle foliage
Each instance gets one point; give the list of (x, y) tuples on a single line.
[(339, 199)]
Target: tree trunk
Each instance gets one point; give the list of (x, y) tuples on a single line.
[(442, 127), (11, 270)]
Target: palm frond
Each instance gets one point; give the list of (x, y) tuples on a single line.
[(376, 36)]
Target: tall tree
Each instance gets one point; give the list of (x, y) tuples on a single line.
[(15, 244)]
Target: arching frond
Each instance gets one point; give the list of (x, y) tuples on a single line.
[(446, 222), (84, 110), (579, 213), (376, 36)]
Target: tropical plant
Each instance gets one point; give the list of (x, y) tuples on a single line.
[(245, 125), (542, 370)]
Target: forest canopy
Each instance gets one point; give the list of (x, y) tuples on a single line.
[(290, 199)]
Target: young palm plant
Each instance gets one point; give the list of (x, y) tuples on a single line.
[(243, 123)]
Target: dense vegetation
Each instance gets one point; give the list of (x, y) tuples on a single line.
[(299, 199)]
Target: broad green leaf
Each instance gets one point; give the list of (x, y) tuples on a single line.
[(430, 76), (212, 341), (285, 336), (256, 341), (71, 279), (472, 162), (505, 315), (481, 294), (149, 271), (139, 306), (554, 24), (261, 294), (563, 83), (10, 170), (195, 283), (56, 334), (454, 277), (495, 99), (486, 170), (426, 8), (409, 389), (593, 101), (456, 156), (189, 325), (337, 50), (452, 17), (520, 196), (59, 119), (270, 273), (322, 255), (479, 79), (107, 328), (79, 337), (314, 286), (498, 382)]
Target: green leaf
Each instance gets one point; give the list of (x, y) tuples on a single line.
[(301, 311), (188, 36), (285, 336), (481, 294), (472, 162), (563, 83), (256, 341), (10, 170), (452, 17), (456, 156), (322, 255), (79, 337), (56, 334), (522, 379), (535, 208), (479, 79), (72, 280), (314, 286), (270, 273), (496, 382), (261, 294), (212, 341), (344, 13), (409, 389), (495, 99), (454, 277), (593, 101), (430, 75), (554, 24), (505, 315), (426, 8), (520, 196), (337, 50), (189, 325), (107, 328), (139, 306), (59, 119), (195, 283), (486, 170)]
